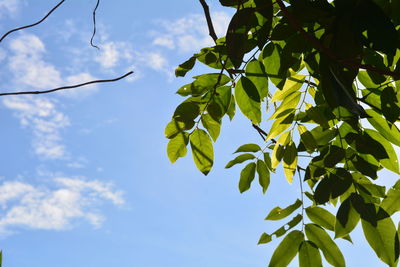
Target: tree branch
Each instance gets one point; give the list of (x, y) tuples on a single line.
[(209, 21), (315, 42), (34, 24), (94, 25), (65, 87)]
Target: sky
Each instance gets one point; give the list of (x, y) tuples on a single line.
[(85, 179)]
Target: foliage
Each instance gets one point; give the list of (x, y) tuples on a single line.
[(329, 74)]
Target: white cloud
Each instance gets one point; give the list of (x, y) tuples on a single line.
[(28, 66), (111, 54), (9, 7), (40, 115), (190, 33), (56, 207)]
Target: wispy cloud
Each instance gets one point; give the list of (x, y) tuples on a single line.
[(41, 116), (9, 7), (55, 207), (190, 33)]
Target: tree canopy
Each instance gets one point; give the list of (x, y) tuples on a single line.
[(324, 77)]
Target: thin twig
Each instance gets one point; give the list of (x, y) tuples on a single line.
[(34, 24), (94, 25), (65, 87), (209, 21), (318, 45)]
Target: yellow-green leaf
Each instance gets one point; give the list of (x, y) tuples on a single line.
[(278, 213), (292, 85), (176, 147), (287, 249), (309, 255), (290, 162), (202, 150), (248, 99), (263, 175)]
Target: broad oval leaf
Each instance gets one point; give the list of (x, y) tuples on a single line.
[(202, 150), (381, 238), (321, 217), (256, 73), (212, 126), (324, 242), (278, 213), (347, 219), (174, 127), (309, 255), (248, 99), (287, 249), (176, 147), (246, 177)]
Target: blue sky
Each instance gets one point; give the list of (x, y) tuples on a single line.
[(85, 180)]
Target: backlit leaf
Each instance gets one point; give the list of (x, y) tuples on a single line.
[(246, 177), (263, 175), (248, 148), (278, 213), (239, 159), (248, 99), (287, 249), (309, 255), (176, 147), (202, 150)]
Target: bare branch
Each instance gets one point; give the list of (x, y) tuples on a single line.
[(94, 25), (34, 24), (209, 21), (65, 87)]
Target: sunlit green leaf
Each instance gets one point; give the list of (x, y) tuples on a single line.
[(256, 73), (381, 238), (292, 84), (290, 162), (239, 159), (309, 255), (391, 133), (277, 155), (287, 249), (248, 148), (264, 239), (321, 217), (280, 125), (174, 127), (246, 177), (278, 213), (176, 147), (186, 66), (202, 150), (347, 219), (325, 243), (248, 99), (213, 127), (391, 203), (263, 175)]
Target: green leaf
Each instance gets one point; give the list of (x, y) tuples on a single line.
[(321, 217), (223, 98), (390, 132), (334, 156), (248, 148), (391, 203), (277, 155), (246, 177), (290, 162), (381, 238), (292, 84), (264, 239), (202, 150), (321, 136), (307, 138), (237, 34), (392, 163), (263, 175), (211, 80), (287, 106), (390, 109), (213, 127), (248, 99), (174, 127), (292, 223), (186, 112), (278, 213), (239, 159), (347, 219), (256, 74), (325, 243), (232, 108), (287, 249), (176, 147), (186, 66), (279, 126), (271, 57), (309, 255)]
